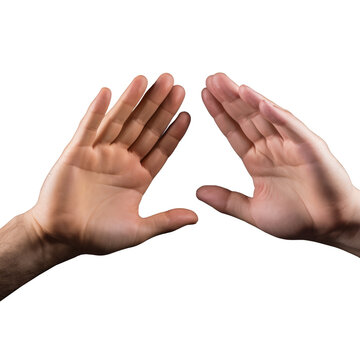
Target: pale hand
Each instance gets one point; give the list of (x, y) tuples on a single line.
[(300, 190), (90, 199)]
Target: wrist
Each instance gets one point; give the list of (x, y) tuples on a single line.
[(51, 251), (346, 234), (25, 253)]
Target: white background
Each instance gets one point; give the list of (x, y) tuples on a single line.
[(220, 289)]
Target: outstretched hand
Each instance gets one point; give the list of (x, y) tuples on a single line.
[(90, 199), (300, 190)]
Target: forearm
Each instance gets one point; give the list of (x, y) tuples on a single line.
[(24, 253)]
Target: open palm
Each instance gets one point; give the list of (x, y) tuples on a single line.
[(300, 189), (91, 197)]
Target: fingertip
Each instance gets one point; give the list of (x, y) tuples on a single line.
[(141, 79), (141, 76), (243, 90), (221, 75), (181, 217), (271, 112), (167, 77), (174, 99), (101, 102), (191, 217), (211, 103), (208, 81), (199, 192), (223, 88), (250, 96), (185, 115), (179, 127), (206, 193), (167, 74), (205, 93), (137, 87), (213, 195), (265, 106), (180, 90), (181, 124), (248, 88), (222, 78), (185, 118), (105, 92), (177, 86), (262, 104)]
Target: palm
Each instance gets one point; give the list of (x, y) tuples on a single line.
[(105, 196), (291, 185), (301, 190), (92, 195)]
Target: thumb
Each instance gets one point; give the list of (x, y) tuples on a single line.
[(167, 221), (227, 202)]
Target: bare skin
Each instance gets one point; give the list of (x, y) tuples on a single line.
[(300, 190), (89, 201)]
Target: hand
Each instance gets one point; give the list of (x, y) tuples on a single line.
[(90, 199), (300, 190)]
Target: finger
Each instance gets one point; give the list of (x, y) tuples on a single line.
[(86, 132), (117, 116), (167, 221), (227, 93), (145, 110), (287, 124), (166, 145), (227, 202), (236, 137), (253, 98), (159, 122)]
